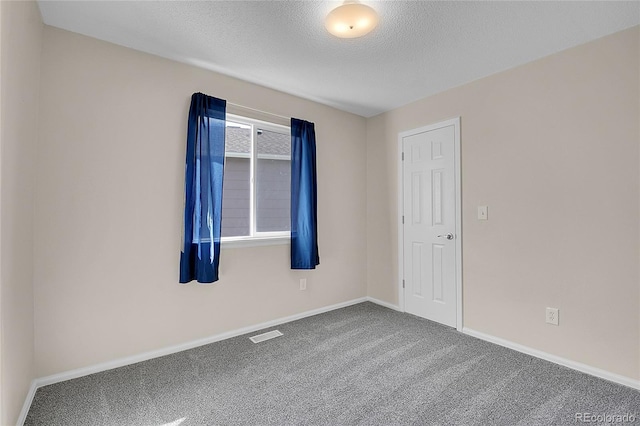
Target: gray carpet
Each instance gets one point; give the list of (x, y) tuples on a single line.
[(364, 364)]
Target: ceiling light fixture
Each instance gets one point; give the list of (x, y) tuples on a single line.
[(352, 19)]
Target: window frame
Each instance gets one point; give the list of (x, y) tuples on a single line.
[(256, 238)]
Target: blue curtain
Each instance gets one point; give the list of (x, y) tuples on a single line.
[(304, 196), (204, 171)]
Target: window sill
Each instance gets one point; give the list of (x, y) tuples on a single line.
[(254, 242)]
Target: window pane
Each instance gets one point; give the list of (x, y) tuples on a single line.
[(236, 193), (273, 181)]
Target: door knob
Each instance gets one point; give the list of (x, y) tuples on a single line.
[(447, 236)]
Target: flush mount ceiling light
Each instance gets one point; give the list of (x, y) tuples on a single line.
[(352, 19)]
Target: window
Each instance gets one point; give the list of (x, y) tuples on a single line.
[(256, 196)]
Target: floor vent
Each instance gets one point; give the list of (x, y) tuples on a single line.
[(265, 336)]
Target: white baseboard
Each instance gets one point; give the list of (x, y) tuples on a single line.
[(584, 368), (121, 362), (385, 304), (27, 403)]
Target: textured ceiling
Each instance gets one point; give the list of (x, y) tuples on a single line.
[(418, 49)]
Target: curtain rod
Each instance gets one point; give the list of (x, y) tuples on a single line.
[(258, 111)]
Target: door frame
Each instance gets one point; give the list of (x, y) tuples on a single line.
[(458, 200)]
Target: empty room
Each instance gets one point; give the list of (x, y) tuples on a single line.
[(319, 213)]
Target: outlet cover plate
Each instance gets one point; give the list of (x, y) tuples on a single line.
[(552, 316)]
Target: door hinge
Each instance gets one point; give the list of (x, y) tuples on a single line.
[(402, 283), (403, 219), (403, 156)]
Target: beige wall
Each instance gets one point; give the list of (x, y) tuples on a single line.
[(21, 40), (552, 148), (110, 178)]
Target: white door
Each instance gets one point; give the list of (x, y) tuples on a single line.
[(430, 218)]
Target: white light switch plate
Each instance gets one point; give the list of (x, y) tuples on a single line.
[(483, 213)]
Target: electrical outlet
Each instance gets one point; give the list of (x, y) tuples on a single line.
[(552, 316), (303, 283)]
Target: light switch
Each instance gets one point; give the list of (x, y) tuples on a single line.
[(483, 213)]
